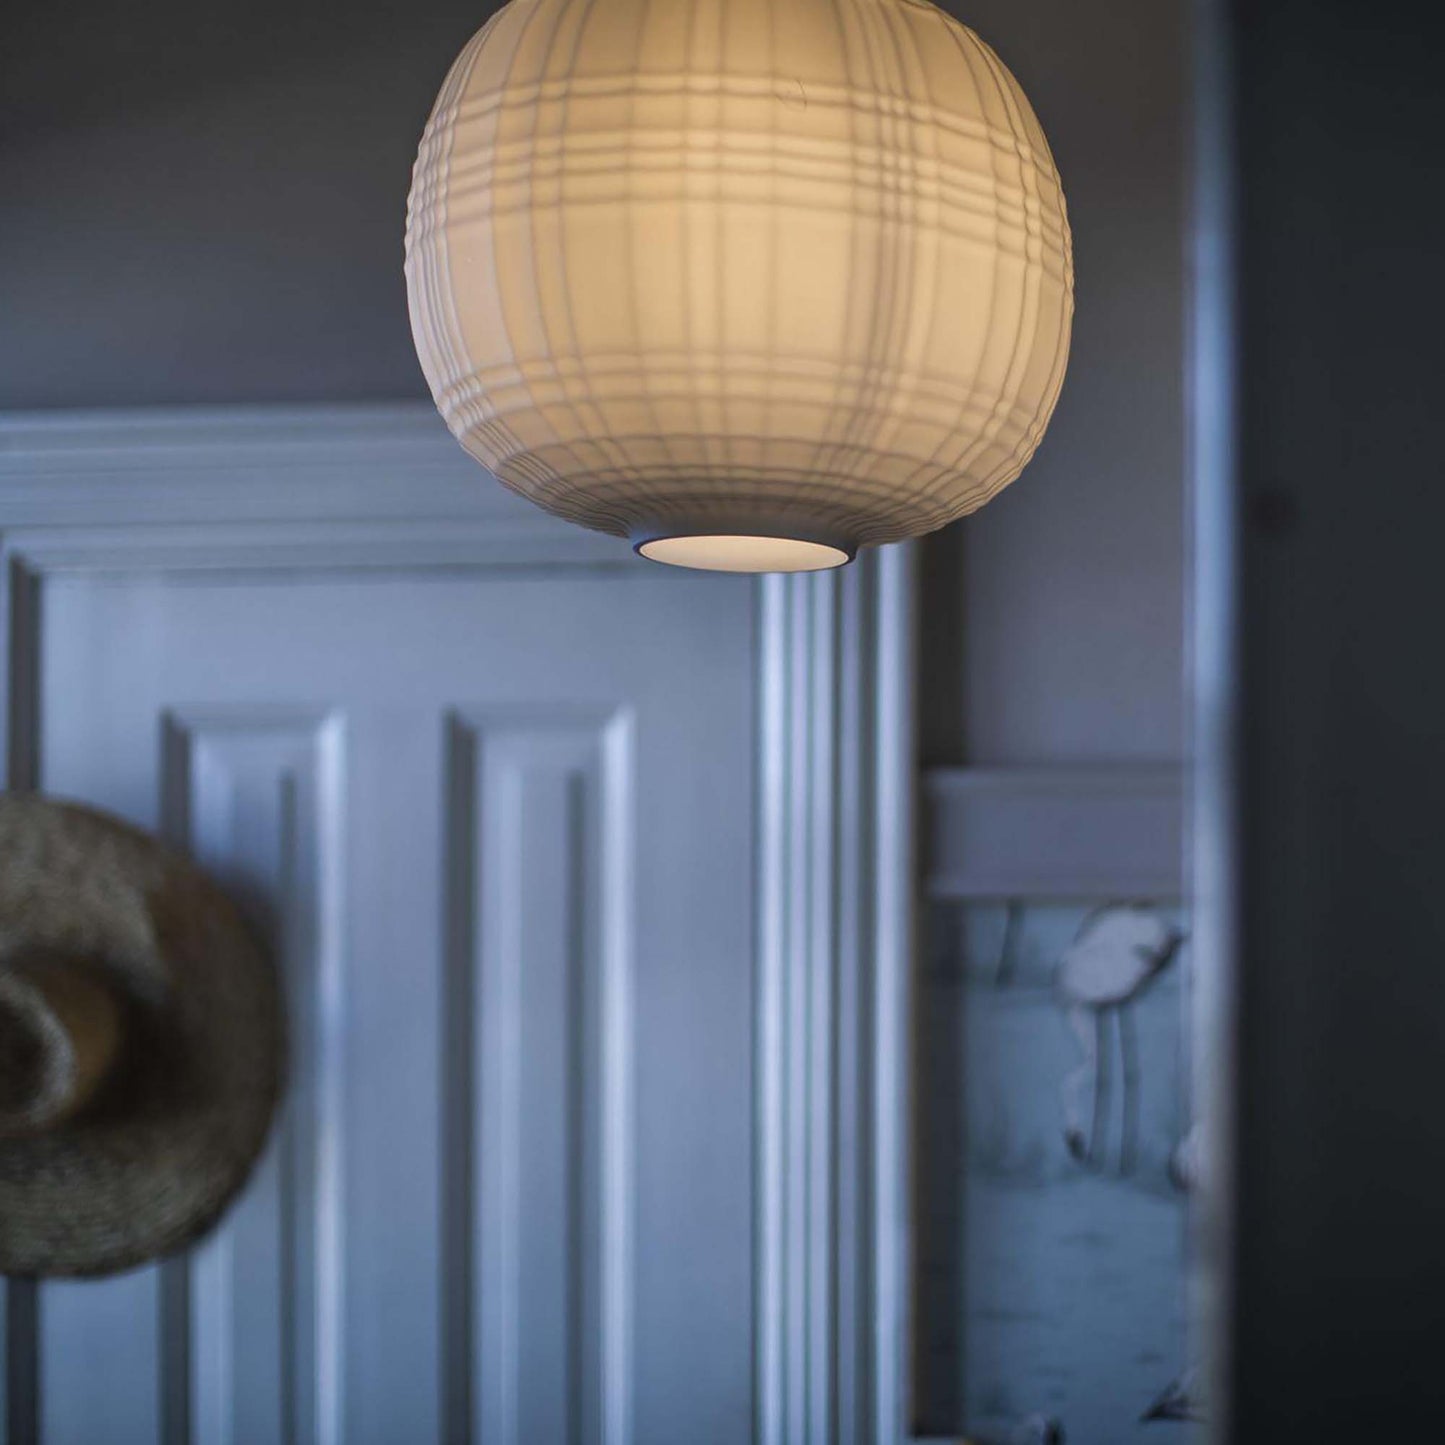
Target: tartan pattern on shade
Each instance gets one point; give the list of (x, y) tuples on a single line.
[(692, 263)]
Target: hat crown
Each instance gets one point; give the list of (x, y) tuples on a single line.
[(60, 1030)]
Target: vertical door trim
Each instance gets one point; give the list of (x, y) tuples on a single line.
[(836, 904), (1213, 818)]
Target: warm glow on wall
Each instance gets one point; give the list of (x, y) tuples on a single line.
[(751, 282)]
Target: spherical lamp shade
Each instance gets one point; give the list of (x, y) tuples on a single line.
[(752, 283)]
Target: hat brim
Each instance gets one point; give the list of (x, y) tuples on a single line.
[(176, 1127)]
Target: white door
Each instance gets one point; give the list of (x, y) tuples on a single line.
[(590, 883), (501, 828)]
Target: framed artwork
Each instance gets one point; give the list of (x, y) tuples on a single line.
[(1055, 1153)]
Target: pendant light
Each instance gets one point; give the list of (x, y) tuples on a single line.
[(752, 283)]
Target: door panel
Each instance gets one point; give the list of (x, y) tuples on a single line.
[(500, 828)]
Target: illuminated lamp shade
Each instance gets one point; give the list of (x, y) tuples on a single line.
[(753, 283)]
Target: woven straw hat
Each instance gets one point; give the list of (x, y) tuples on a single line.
[(141, 1044)]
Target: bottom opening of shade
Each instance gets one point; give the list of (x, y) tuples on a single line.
[(735, 553)]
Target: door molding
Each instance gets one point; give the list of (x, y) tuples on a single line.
[(836, 906), (385, 488)]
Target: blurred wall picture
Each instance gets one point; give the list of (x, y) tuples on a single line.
[(1057, 1156)]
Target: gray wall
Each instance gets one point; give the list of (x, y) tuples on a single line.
[(1053, 618), (205, 202)]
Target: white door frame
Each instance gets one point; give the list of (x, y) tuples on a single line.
[(368, 488)]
